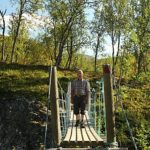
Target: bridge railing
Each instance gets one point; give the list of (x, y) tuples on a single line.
[(64, 110), (99, 117), (97, 109)]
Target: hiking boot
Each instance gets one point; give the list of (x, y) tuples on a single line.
[(82, 124), (77, 123)]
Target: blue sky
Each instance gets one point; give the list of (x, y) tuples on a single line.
[(6, 4)]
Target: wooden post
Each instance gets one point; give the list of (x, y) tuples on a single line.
[(56, 130), (109, 105)]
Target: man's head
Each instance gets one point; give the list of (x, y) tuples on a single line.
[(80, 74)]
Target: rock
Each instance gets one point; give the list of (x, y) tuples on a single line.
[(22, 124)]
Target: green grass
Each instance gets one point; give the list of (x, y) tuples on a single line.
[(22, 80), (32, 81)]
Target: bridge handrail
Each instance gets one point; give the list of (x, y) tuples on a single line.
[(64, 103), (97, 109)]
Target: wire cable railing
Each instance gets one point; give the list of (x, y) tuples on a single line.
[(64, 107), (97, 109)]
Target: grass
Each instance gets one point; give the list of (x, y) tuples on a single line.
[(32, 81), (23, 80)]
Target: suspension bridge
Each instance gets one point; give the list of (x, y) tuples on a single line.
[(99, 131)]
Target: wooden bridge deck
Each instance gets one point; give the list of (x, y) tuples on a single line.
[(81, 137)]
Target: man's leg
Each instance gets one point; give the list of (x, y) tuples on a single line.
[(77, 120), (82, 117), (76, 110), (82, 112), (78, 117)]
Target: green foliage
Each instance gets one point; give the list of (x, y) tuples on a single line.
[(143, 136), (134, 37), (139, 41), (68, 32), (136, 103), (142, 78)]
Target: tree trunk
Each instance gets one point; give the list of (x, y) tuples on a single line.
[(140, 59), (59, 57), (17, 30), (118, 50), (113, 49), (64, 37), (3, 35), (14, 42), (55, 46), (70, 60), (70, 53), (96, 51)]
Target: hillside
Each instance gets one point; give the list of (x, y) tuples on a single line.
[(23, 97)]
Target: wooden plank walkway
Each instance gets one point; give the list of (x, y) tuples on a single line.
[(81, 137)]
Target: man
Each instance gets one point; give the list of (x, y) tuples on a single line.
[(80, 91)]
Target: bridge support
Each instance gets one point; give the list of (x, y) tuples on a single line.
[(109, 106), (56, 130)]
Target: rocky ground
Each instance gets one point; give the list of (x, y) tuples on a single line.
[(22, 124)]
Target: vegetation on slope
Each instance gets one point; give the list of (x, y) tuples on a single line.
[(23, 96)]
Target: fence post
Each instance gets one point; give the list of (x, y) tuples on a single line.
[(56, 130), (109, 106)]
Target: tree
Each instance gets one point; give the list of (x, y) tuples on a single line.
[(116, 22), (66, 16), (139, 39), (2, 13), (25, 6), (98, 30)]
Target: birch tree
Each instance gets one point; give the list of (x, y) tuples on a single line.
[(24, 7), (2, 13), (139, 39), (67, 20)]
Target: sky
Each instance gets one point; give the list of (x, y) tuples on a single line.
[(5, 4), (35, 23)]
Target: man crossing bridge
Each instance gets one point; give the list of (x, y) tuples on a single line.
[(80, 91)]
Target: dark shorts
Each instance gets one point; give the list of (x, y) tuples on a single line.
[(79, 105)]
